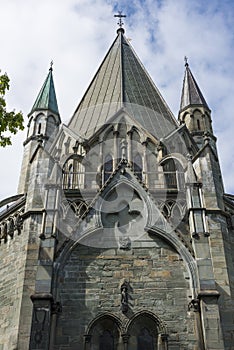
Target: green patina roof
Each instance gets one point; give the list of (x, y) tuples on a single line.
[(46, 99), (122, 81), (191, 94)]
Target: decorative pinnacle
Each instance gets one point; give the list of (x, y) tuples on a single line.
[(120, 16), (51, 65), (186, 61)]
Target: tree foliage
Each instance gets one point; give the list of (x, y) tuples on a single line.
[(10, 122)]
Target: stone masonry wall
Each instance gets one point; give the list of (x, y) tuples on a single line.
[(89, 284), (12, 257)]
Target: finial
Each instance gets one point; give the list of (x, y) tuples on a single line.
[(120, 16), (186, 61), (51, 65)]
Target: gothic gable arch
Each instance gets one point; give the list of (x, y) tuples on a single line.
[(173, 240)]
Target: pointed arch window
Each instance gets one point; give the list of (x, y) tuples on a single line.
[(137, 166), (145, 340), (108, 167), (70, 176), (73, 173), (144, 333), (106, 341), (104, 334), (170, 174), (39, 129)]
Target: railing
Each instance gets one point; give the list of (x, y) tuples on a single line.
[(171, 180)]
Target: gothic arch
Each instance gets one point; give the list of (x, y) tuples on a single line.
[(160, 324), (177, 157), (50, 125), (109, 133), (174, 241), (104, 332), (73, 172), (105, 315), (39, 124)]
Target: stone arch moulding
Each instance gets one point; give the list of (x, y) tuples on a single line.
[(101, 323), (156, 329), (174, 241), (177, 157)]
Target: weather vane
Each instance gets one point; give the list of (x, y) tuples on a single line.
[(186, 60), (120, 16)]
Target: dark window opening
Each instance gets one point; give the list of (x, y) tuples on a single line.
[(106, 341), (145, 340), (108, 167), (137, 166)]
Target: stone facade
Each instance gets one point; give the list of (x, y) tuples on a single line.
[(121, 236)]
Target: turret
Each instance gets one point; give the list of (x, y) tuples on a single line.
[(44, 116), (44, 120), (194, 110)]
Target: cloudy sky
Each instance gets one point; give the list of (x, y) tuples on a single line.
[(76, 35)]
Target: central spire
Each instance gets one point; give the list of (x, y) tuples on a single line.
[(122, 81)]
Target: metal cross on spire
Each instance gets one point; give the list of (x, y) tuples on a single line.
[(120, 16), (186, 61), (51, 65)]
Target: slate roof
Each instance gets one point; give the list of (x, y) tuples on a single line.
[(46, 99), (191, 94), (122, 81)]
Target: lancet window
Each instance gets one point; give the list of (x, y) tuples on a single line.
[(108, 167), (73, 173), (137, 166)]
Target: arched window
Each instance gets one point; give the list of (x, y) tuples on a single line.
[(170, 174), (70, 176), (104, 334), (73, 173), (106, 340), (50, 125), (145, 340), (108, 167), (39, 124), (137, 166), (39, 128), (143, 333), (11, 228)]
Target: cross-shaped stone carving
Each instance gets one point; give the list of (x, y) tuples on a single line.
[(122, 219)]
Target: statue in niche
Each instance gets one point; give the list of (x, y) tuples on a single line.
[(124, 297)]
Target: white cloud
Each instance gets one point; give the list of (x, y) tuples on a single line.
[(76, 34)]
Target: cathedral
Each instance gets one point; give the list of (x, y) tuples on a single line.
[(121, 236)]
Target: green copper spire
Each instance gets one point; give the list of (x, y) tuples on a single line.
[(191, 93), (46, 99)]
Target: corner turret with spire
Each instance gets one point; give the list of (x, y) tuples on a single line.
[(44, 120), (194, 110), (44, 116)]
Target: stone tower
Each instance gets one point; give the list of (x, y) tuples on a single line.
[(121, 236)]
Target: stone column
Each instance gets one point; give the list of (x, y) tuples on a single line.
[(211, 322), (40, 331), (125, 337), (87, 339), (162, 341)]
